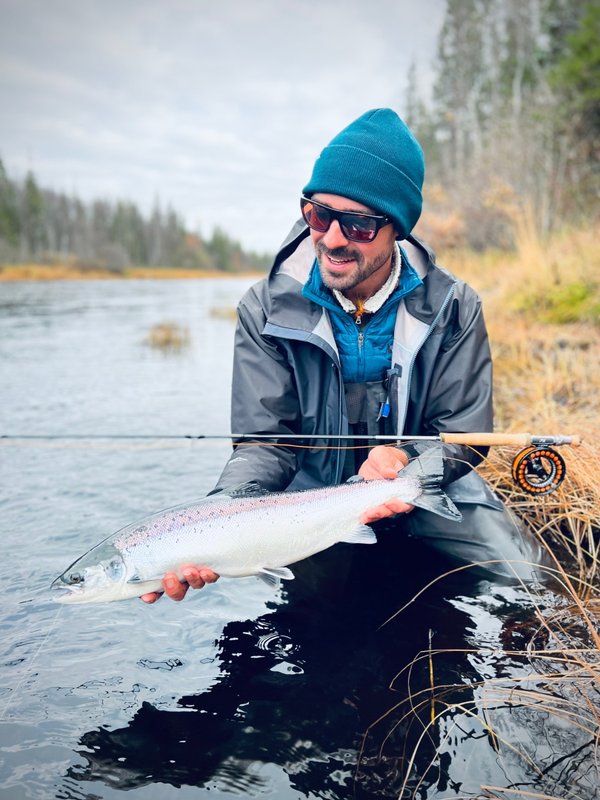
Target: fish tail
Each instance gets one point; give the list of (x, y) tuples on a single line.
[(428, 468)]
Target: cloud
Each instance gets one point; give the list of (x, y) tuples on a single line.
[(218, 109)]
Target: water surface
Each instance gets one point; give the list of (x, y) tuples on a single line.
[(239, 690)]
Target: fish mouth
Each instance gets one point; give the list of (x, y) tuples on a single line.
[(64, 592)]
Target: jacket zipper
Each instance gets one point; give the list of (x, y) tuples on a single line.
[(360, 342)]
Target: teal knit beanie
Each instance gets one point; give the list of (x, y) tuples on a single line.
[(375, 161)]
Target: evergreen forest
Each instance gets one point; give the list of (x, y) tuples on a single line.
[(39, 225), (511, 127)]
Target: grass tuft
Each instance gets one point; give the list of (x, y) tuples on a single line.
[(542, 306), (168, 337)]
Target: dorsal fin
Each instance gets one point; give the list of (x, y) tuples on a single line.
[(247, 489)]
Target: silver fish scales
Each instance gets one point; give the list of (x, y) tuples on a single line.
[(245, 533)]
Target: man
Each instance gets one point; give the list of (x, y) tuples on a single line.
[(357, 331)]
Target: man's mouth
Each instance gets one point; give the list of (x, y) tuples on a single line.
[(338, 261)]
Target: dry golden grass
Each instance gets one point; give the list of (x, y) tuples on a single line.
[(168, 337), (72, 272), (561, 690), (547, 381), (51, 272)]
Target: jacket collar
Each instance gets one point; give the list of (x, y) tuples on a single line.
[(294, 264), (315, 290)]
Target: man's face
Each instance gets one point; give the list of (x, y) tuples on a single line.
[(357, 270)]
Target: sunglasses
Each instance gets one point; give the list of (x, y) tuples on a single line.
[(355, 226)]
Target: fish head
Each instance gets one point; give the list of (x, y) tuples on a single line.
[(98, 576)]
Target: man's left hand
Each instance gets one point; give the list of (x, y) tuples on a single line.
[(384, 462)]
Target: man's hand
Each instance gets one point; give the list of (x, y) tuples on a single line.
[(384, 462), (196, 577)]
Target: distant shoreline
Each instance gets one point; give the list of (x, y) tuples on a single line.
[(59, 272)]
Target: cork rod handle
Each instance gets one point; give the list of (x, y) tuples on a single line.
[(509, 439)]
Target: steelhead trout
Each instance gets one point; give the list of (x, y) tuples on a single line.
[(243, 533)]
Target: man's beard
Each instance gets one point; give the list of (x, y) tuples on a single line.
[(362, 268)]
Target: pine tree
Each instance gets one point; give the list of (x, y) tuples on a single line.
[(33, 234), (9, 217)]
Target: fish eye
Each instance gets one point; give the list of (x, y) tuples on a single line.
[(76, 577)]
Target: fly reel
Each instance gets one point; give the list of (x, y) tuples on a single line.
[(538, 470)]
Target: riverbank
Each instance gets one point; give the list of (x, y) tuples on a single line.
[(68, 272), (542, 306)]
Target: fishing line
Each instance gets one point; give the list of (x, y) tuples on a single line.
[(59, 443), (149, 441), (29, 669)]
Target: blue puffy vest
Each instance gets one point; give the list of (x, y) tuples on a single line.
[(365, 348)]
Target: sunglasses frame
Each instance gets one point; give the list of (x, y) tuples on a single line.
[(381, 220)]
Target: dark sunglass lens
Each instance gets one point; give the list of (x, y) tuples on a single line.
[(359, 229), (316, 217)]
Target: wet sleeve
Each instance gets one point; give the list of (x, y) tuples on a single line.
[(264, 400)]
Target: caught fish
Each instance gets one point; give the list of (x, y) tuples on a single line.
[(241, 533)]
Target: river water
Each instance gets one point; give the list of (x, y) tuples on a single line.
[(239, 690)]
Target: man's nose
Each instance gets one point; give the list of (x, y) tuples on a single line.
[(334, 236)]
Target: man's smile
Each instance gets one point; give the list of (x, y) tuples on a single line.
[(337, 261)]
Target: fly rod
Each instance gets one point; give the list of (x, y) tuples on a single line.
[(537, 468), (474, 439)]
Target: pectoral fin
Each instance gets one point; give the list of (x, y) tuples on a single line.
[(135, 578), (272, 576)]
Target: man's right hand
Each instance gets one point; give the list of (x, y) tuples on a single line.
[(195, 577)]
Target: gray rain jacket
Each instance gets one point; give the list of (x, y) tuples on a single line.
[(287, 379)]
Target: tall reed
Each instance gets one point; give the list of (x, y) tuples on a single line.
[(546, 351)]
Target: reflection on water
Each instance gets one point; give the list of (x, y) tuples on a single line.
[(314, 691), (298, 687), (238, 691)]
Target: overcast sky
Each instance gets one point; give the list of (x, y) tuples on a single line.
[(216, 107)]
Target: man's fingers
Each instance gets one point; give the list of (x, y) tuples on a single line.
[(151, 597), (198, 577), (193, 577), (371, 473), (208, 575), (388, 509), (174, 588), (383, 462)]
